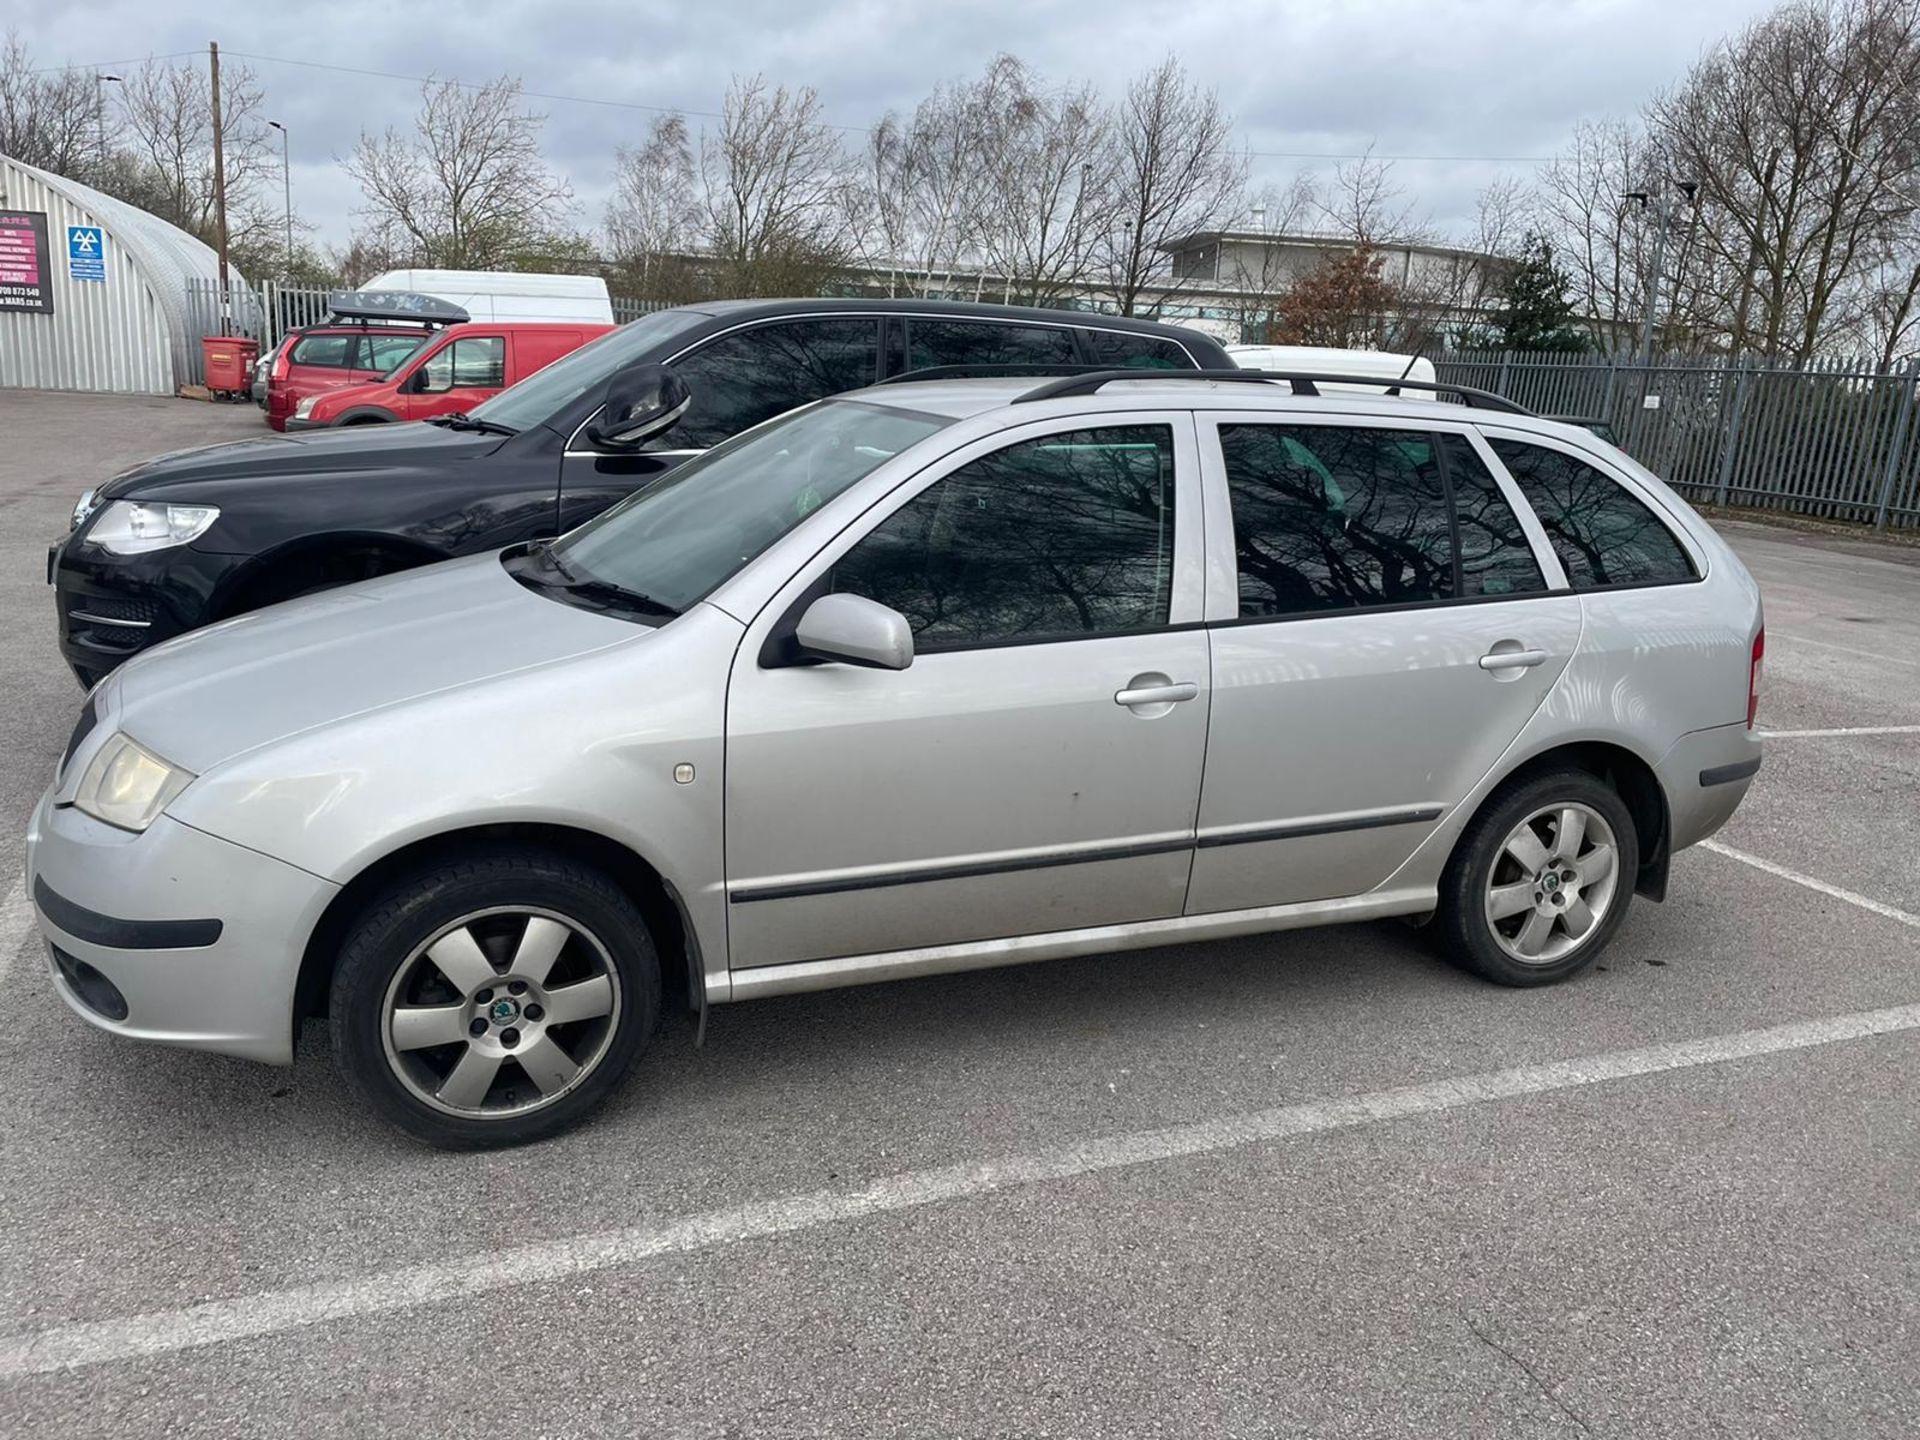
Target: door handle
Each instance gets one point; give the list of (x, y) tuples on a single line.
[(1157, 694), (1513, 659)]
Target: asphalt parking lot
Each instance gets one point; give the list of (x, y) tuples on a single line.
[(1309, 1184)]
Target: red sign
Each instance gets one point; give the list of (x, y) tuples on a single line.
[(25, 281)]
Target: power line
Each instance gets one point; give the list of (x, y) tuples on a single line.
[(845, 129), (102, 64)]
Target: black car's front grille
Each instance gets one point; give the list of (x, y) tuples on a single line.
[(137, 613)]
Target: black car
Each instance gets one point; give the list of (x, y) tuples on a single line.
[(194, 537)]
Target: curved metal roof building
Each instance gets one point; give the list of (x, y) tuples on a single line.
[(120, 319)]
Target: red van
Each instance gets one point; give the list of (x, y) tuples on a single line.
[(319, 358), (456, 370)]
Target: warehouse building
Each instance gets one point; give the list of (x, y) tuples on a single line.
[(93, 291)]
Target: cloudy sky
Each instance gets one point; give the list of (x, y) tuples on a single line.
[(1490, 82)]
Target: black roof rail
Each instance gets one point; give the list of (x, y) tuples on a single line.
[(1303, 384), (987, 370)]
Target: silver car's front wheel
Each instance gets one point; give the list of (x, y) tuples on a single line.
[(504, 1011), (494, 997), (1540, 878), (1552, 883)]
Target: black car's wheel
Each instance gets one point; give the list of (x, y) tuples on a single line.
[(494, 999), (1540, 880)]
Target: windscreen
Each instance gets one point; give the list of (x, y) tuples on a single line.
[(549, 391)]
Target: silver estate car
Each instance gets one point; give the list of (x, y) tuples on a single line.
[(928, 677)]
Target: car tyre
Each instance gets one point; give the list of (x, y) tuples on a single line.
[(1540, 879), (494, 999)]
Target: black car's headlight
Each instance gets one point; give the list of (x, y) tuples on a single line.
[(127, 785), (133, 527), (88, 502)]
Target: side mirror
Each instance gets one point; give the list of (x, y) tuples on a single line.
[(856, 631), (642, 401)]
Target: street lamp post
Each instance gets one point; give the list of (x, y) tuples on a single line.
[(286, 179), (100, 111)]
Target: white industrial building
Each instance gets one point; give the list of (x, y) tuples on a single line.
[(93, 291)]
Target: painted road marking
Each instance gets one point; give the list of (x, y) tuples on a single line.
[(1844, 730), (274, 1312), (1845, 649), (1852, 897), (16, 925)]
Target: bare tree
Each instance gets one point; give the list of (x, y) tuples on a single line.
[(1256, 275), (467, 189), (1598, 236), (772, 192), (1175, 173), (1799, 132), (1367, 205), (653, 218), (1048, 178), (50, 120)]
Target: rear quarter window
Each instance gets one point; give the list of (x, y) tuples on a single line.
[(1122, 351), (1604, 535)]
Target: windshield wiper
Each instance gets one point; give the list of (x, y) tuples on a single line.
[(615, 596), (460, 420)]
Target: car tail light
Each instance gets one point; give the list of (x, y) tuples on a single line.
[(1753, 675), (281, 362)]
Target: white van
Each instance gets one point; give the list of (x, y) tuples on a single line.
[(499, 295), (1326, 360)]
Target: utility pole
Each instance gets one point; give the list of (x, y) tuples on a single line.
[(286, 176), (1666, 210), (100, 112), (220, 188)]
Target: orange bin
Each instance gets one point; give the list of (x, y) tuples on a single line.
[(229, 362)]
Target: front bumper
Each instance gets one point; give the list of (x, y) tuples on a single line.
[(111, 607), (199, 939)]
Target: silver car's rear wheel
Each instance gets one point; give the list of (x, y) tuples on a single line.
[(502, 1012), (1553, 883), (1539, 879)]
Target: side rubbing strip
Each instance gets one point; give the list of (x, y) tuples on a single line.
[(1302, 829), (746, 894), (799, 889), (1727, 774)]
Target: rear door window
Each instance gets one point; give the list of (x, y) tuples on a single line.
[(1122, 351), (324, 352), (1333, 517), (935, 342), (1602, 534), (740, 379), (1495, 556)]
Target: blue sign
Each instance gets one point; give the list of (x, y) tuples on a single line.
[(87, 253)]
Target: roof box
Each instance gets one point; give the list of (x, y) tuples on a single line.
[(395, 305)]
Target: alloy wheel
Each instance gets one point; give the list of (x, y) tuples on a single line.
[(501, 1012), (1552, 883)]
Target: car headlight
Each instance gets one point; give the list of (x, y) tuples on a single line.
[(305, 407), (133, 527), (128, 785), (88, 502)]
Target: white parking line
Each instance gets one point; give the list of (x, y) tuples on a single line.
[(277, 1311), (1844, 730), (1845, 649), (1852, 897)]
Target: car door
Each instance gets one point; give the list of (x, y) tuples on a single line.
[(1385, 619), (737, 379), (1036, 767), (466, 369)]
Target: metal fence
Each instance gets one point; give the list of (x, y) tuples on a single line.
[(1834, 439), (268, 310)]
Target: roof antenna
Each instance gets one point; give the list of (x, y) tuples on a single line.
[(1412, 360)]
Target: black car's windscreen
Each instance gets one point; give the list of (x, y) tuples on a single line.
[(681, 538), (551, 390)]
